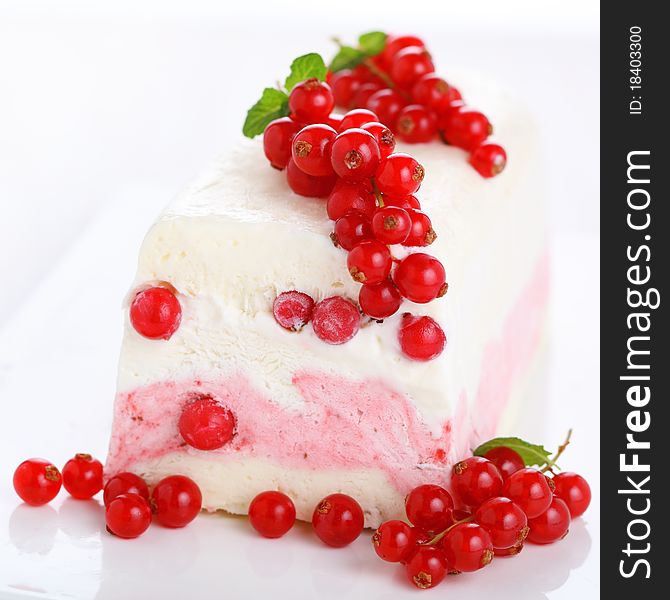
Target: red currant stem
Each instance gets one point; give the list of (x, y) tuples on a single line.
[(440, 535), (377, 193), (561, 449)]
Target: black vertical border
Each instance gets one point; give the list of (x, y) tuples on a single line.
[(622, 133)]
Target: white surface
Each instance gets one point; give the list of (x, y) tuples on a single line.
[(114, 110)]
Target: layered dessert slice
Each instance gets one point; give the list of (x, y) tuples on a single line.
[(291, 412)]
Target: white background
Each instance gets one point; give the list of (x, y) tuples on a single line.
[(106, 110)]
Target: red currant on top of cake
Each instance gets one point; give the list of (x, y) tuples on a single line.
[(348, 303)]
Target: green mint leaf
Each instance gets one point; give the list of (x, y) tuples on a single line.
[(346, 58), (304, 67), (372, 43), (272, 105), (532, 454)]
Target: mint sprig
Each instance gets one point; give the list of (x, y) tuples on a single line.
[(532, 454), (369, 45), (273, 104)]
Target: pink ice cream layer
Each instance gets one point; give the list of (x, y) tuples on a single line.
[(341, 423)]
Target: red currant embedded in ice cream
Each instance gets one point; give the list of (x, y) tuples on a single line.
[(37, 481), (272, 514), (551, 525), (393, 541), (355, 155), (399, 175), (420, 278), (125, 483), (352, 228), (277, 139), (391, 225), (530, 490), (176, 501), (369, 262), (336, 320), (82, 476), (308, 185), (338, 520), (426, 567), (421, 338), (155, 313), (507, 460), (468, 547), (311, 149), (311, 101), (206, 424), (293, 310), (429, 507), (128, 516), (574, 490), (488, 159), (475, 480), (380, 300), (506, 523)]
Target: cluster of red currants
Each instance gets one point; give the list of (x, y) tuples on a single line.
[(370, 190), (501, 505), (129, 505), (400, 85), (337, 519)]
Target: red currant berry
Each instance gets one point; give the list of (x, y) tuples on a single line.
[(363, 73), (344, 85), (433, 92), (488, 159), (507, 460), (334, 121), (336, 320), (574, 490), (311, 101), (355, 155), (308, 185), (176, 501), (421, 338), (387, 104), (506, 523), (383, 135), (475, 480), (369, 262), (466, 128), (468, 547), (272, 514), (506, 552), (380, 300), (338, 520), (399, 175), (347, 196), (420, 278), (355, 119), (128, 516), (422, 232), (552, 525), (293, 310), (416, 124), (409, 65), (82, 476), (155, 313), (205, 424), (37, 481), (391, 225), (395, 44), (277, 139), (394, 541), (125, 483), (364, 93), (427, 567), (406, 202), (530, 490), (429, 507), (421, 535), (311, 149), (352, 228)]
